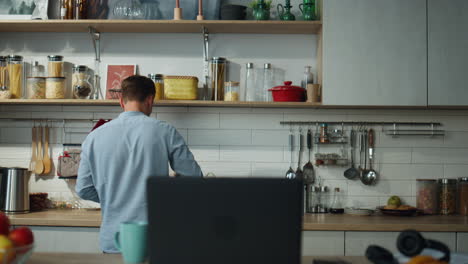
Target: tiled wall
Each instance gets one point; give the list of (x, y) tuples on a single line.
[(245, 142)]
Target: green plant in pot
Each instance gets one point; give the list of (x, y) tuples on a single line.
[(261, 9)]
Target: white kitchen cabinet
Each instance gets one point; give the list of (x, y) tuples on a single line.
[(322, 243), (375, 52), (357, 242), (66, 239), (462, 242), (447, 52)]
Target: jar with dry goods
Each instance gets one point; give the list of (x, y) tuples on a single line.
[(55, 66), (81, 87), (15, 68), (463, 196), (158, 80), (36, 87), (448, 196), (231, 91), (4, 89), (218, 67), (55, 87), (427, 197)]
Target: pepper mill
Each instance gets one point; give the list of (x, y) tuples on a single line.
[(177, 11)]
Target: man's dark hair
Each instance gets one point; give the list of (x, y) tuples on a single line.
[(137, 88)]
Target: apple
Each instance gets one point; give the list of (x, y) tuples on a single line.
[(21, 237), (6, 252), (4, 224)]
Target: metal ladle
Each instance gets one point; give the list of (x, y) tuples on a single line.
[(352, 173), (299, 173), (290, 174), (370, 176)]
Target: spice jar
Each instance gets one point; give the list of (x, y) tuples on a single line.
[(217, 78), (55, 87), (81, 86), (463, 196), (55, 66), (158, 80), (4, 90), (448, 197), (36, 87), (231, 91), (427, 199), (323, 133), (15, 75)]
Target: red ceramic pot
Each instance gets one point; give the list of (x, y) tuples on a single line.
[(288, 93)]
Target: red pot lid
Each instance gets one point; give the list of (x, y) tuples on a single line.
[(287, 86)]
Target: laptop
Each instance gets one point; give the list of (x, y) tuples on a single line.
[(223, 220)]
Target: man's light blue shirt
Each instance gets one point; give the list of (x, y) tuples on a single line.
[(116, 160)]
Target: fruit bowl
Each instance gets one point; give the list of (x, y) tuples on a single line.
[(17, 255)]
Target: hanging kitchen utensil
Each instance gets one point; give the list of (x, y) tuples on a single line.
[(47, 160), (370, 177), (364, 147), (352, 173), (32, 163), (299, 173), (290, 174), (309, 173), (39, 167)]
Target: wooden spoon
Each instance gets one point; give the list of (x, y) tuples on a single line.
[(47, 161), (39, 168), (32, 163)]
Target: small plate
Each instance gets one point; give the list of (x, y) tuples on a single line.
[(396, 212)]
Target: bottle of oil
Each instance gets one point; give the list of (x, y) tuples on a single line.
[(337, 204)]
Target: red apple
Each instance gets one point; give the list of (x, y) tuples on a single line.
[(21, 237), (4, 224)]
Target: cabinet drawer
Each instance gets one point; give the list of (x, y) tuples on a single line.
[(322, 243)]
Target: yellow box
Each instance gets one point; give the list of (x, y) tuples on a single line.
[(180, 87)]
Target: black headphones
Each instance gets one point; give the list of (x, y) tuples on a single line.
[(410, 243)]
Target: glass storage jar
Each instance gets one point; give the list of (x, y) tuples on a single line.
[(447, 196), (55, 87), (231, 91), (15, 75), (55, 66), (81, 87), (36, 87), (463, 196), (218, 67), (427, 196), (4, 90), (158, 80)]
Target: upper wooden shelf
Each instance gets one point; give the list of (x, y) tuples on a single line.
[(163, 26), (197, 103)]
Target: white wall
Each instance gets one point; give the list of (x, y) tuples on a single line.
[(251, 142)]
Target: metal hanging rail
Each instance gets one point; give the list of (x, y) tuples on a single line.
[(49, 119), (363, 123)]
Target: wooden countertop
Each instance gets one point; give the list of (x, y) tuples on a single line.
[(73, 258), (312, 222)]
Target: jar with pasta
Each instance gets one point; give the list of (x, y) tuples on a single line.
[(231, 91), (4, 90), (55, 66), (448, 196), (36, 87), (158, 80), (217, 78), (81, 86), (15, 75), (55, 87)]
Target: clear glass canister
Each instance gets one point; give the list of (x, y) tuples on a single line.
[(463, 196), (4, 89), (158, 80), (231, 91), (427, 196), (36, 87), (81, 87), (55, 87), (15, 75), (55, 66), (218, 71), (448, 196)]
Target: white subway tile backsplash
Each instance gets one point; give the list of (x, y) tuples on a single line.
[(382, 187), (408, 200), (219, 137), (455, 140), (32, 108), (92, 108), (455, 171), (410, 171), (169, 109), (393, 155), (269, 169), (440, 156), (15, 114), (251, 153), (205, 153), (270, 137), (104, 115), (409, 141), (223, 110), (62, 115), (227, 169), (368, 202), (191, 120), (251, 121)]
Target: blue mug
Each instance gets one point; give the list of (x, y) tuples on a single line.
[(131, 240)]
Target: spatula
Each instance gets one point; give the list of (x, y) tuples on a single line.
[(47, 161), (32, 163)]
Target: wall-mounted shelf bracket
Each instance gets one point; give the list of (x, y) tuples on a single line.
[(96, 39)]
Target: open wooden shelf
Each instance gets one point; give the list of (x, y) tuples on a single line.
[(196, 103), (163, 26)]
